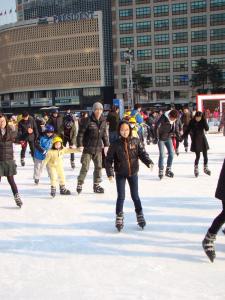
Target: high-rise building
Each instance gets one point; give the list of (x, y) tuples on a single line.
[(167, 38)]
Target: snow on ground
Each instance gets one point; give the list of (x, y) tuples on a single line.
[(67, 248)]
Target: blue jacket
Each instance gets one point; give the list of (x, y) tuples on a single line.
[(42, 146)]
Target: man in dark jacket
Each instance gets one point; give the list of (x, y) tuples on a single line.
[(185, 119), (27, 134), (166, 127), (92, 136), (113, 120), (56, 121)]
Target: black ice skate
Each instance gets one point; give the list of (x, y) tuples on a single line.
[(186, 149), (206, 170), (18, 200), (148, 142), (53, 191), (36, 181), (141, 220), (119, 221), (79, 188), (72, 163), (208, 246), (22, 161), (160, 174), (177, 152), (223, 231), (196, 172), (169, 173), (64, 191), (98, 189)]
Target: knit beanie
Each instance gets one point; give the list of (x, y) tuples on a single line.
[(97, 105)]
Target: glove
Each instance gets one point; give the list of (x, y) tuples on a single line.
[(106, 150), (151, 165), (81, 149), (111, 179), (44, 152), (155, 141)]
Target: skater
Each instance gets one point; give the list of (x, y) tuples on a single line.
[(7, 162), (68, 133), (42, 145), (124, 154), (199, 143), (185, 120), (113, 120), (54, 160), (92, 135), (166, 127), (208, 242), (150, 129), (27, 134), (56, 121)]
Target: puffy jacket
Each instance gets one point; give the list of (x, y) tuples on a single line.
[(54, 157), (220, 190), (164, 130), (6, 144), (69, 134), (56, 123), (92, 135), (41, 146), (23, 126), (124, 153)]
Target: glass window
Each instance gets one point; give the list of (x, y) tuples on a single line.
[(161, 53), (161, 25), (199, 21), (217, 4), (162, 80), (161, 10), (199, 50), (162, 95), (143, 26), (220, 61), (181, 95), (180, 51), (217, 19), (179, 23), (142, 1), (198, 6), (126, 28), (179, 8), (217, 34), (199, 36), (123, 69), (144, 54), (162, 39), (180, 66), (180, 80), (143, 12), (125, 2), (194, 64), (180, 37), (125, 14), (217, 48), (145, 68), (143, 40), (126, 42), (161, 67)]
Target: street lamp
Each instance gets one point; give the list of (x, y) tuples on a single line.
[(128, 55)]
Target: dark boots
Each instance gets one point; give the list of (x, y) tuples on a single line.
[(64, 191), (196, 172), (79, 187), (160, 174), (119, 221), (53, 191), (206, 170), (208, 245), (18, 200), (141, 220), (98, 189), (72, 163), (22, 161), (169, 173)]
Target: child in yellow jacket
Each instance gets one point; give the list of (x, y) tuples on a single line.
[(54, 160)]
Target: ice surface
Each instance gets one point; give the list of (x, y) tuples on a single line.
[(68, 248)]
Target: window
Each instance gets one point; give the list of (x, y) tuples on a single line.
[(162, 67), (125, 14), (199, 21), (194, 64), (161, 10), (180, 66), (145, 68), (123, 70), (162, 95), (143, 26), (180, 37), (198, 6), (180, 52), (217, 19), (144, 54), (162, 53), (162, 81), (180, 80), (199, 36), (142, 1), (126, 42), (181, 95), (179, 8), (217, 34), (220, 61), (199, 50), (143, 12), (125, 2), (161, 25), (126, 28), (217, 4), (217, 48), (144, 40), (162, 39), (179, 23)]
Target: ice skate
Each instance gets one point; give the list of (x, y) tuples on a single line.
[(18, 200), (186, 149), (79, 188), (208, 246), (53, 191), (169, 173), (119, 221), (160, 174), (22, 161), (141, 220), (36, 181), (64, 191), (98, 189), (72, 163), (206, 170), (196, 172)]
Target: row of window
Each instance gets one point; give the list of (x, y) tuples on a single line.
[(178, 80)]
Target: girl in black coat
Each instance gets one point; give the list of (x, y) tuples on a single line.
[(124, 153), (208, 242), (7, 163), (196, 129)]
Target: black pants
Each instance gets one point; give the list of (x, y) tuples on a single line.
[(205, 155), (24, 148), (218, 221), (12, 184), (133, 183), (65, 141)]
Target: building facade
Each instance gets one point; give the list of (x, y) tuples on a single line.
[(167, 38), (52, 61)]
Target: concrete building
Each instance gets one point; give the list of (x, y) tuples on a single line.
[(167, 38)]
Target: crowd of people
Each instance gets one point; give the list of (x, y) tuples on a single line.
[(112, 143)]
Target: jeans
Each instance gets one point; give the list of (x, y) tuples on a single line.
[(169, 147), (218, 221), (113, 135), (120, 184)]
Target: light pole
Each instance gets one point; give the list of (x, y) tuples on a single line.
[(128, 55)]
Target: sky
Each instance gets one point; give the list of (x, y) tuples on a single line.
[(6, 5)]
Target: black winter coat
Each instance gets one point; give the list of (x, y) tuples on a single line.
[(6, 144), (113, 119), (198, 138), (23, 126), (124, 153), (220, 190), (57, 123), (92, 135), (164, 130)]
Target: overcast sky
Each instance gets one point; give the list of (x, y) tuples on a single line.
[(6, 5)]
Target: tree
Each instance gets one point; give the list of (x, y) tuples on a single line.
[(141, 83)]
